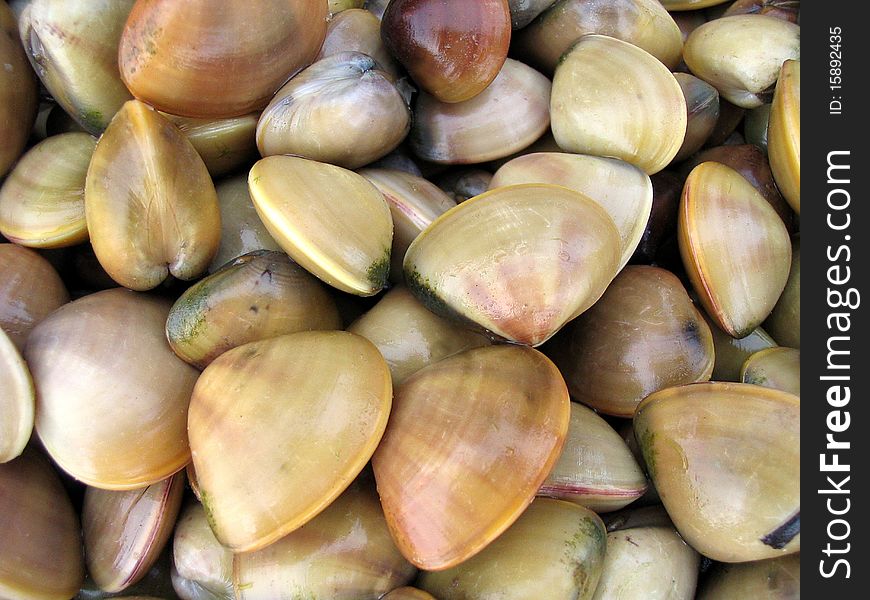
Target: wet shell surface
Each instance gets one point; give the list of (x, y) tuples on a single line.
[(202, 569), (408, 593), (784, 322), (778, 368), (223, 144), (17, 401), (702, 103), (784, 143), (773, 579), (358, 30), (19, 99), (731, 352)]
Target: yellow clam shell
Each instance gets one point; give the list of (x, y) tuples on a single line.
[(784, 133), (17, 401)]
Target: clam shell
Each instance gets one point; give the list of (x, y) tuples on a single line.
[(778, 368), (725, 459), (755, 126), (125, 532), (550, 258), (464, 183), (611, 98), (788, 10), (621, 189), (223, 144), (408, 593), (702, 102), (19, 99), (357, 30), (662, 224), (784, 131), (305, 415), (339, 6), (42, 201), (470, 440), (17, 401), (690, 4), (112, 413), (784, 322), (731, 352), (772, 579), (735, 248), (331, 221), (524, 12), (554, 546), (150, 203), (202, 568)]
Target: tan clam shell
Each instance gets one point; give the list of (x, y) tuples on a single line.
[(778, 368), (41, 556), (357, 30), (338, 6), (17, 401), (611, 98), (726, 53), (414, 203), (19, 98), (524, 12), (345, 553), (470, 440), (30, 289), (125, 531), (772, 579), (784, 133), (734, 246), (111, 412), (623, 190), (731, 352), (690, 4), (784, 322), (202, 568), (410, 337), (408, 593), (725, 459), (330, 220), (702, 102), (510, 114), (150, 203), (42, 201), (551, 257), (306, 413), (596, 468), (554, 546), (223, 144), (342, 110), (642, 23)]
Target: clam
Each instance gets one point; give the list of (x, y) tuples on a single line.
[(190, 59), (150, 204), (42, 201), (555, 546), (19, 99), (621, 189), (511, 113), (784, 145), (452, 48), (734, 246), (690, 4), (223, 144), (414, 203), (338, 6), (778, 368), (464, 183), (643, 23), (17, 401), (662, 223), (30, 289), (725, 459), (596, 468), (111, 412), (702, 102), (774, 579), (330, 220), (524, 12), (788, 10), (343, 110), (73, 46), (357, 30), (408, 593), (257, 296), (643, 335), (470, 440), (755, 126), (125, 531), (726, 53), (550, 258), (784, 322), (611, 98), (410, 337), (731, 353), (730, 116), (202, 568), (304, 415), (377, 7), (41, 555)]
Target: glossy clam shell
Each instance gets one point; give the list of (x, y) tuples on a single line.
[(257, 296), (778, 368), (223, 144), (411, 337), (202, 569), (621, 189), (642, 23), (306, 413), (725, 459), (596, 468), (773, 579), (755, 126), (42, 201), (151, 207), (408, 593), (524, 12), (17, 401), (731, 352), (470, 440), (330, 220), (73, 46), (726, 53), (18, 93), (735, 248), (339, 6), (125, 531), (41, 556), (702, 102), (464, 183), (611, 98), (784, 322), (551, 257), (357, 30), (788, 10), (453, 49), (643, 335), (784, 131), (554, 546), (510, 114), (345, 553), (110, 412), (30, 289), (342, 110), (191, 59), (690, 4)]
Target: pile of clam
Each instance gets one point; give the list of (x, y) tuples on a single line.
[(451, 299)]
